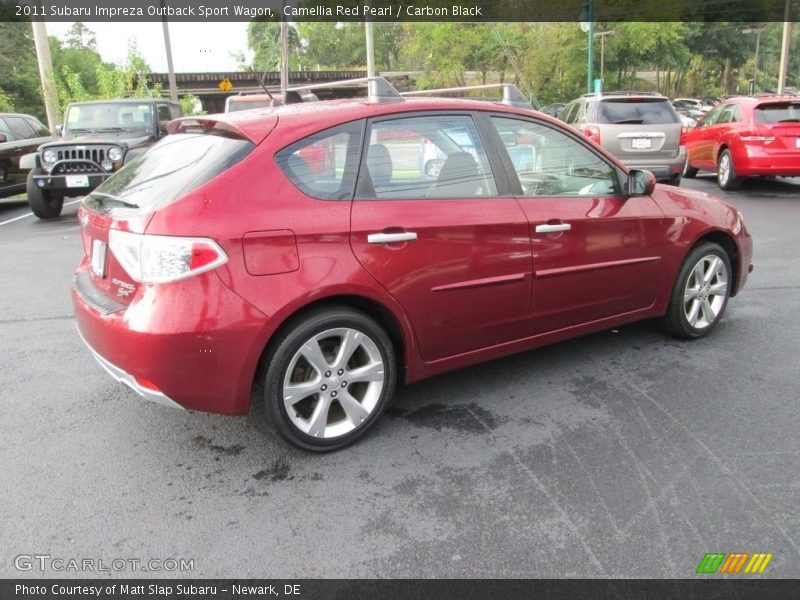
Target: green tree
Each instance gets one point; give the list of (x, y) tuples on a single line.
[(264, 39), (20, 73)]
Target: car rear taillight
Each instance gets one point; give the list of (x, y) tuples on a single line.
[(593, 133), (764, 139), (161, 259)]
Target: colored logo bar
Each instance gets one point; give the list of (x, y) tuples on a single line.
[(732, 563)]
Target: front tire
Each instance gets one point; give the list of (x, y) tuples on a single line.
[(726, 174), (43, 203), (701, 292), (329, 378)]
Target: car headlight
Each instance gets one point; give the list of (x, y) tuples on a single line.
[(49, 156), (115, 154)]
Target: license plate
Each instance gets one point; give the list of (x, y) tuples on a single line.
[(99, 258), (77, 181), (641, 143)]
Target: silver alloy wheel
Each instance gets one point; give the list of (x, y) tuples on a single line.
[(724, 168), (333, 383), (705, 292)]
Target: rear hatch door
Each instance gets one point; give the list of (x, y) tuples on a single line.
[(781, 120), (639, 128)]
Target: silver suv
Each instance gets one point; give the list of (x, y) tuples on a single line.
[(641, 129)]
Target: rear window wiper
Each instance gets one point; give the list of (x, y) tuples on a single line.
[(789, 121), (629, 122), (105, 200)]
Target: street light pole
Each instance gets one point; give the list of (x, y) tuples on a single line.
[(787, 33), (758, 31), (602, 35)]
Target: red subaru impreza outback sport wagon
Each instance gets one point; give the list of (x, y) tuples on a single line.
[(305, 247)]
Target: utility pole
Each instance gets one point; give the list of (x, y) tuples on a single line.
[(284, 56), (173, 86), (787, 33), (589, 74), (370, 49), (46, 74)]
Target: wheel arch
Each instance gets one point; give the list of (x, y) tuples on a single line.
[(728, 244), (385, 317)]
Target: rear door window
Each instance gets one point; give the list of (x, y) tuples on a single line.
[(438, 156), (636, 111), (779, 112), (324, 164)]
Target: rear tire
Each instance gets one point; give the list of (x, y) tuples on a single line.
[(43, 203), (701, 292), (329, 377), (726, 174)]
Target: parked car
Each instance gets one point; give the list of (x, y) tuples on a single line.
[(702, 104), (640, 129), (221, 262), (251, 101), (97, 139), (554, 110), (19, 135), (747, 137)]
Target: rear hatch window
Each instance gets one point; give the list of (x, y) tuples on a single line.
[(779, 112), (175, 166), (636, 111)]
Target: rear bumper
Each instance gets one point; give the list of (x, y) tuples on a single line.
[(777, 166), (663, 170), (193, 343), (124, 377)]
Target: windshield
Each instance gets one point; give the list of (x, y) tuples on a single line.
[(172, 168), (637, 111), (94, 118), (785, 112)]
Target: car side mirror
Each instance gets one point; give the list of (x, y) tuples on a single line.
[(60, 130), (640, 183), (3, 138)]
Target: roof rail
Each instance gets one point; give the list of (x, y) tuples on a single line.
[(622, 93), (379, 90), (511, 94)]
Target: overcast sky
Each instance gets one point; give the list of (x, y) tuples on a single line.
[(195, 46)]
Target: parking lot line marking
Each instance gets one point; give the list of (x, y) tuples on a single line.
[(30, 213)]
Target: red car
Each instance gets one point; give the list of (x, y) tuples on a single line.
[(221, 259), (746, 137)]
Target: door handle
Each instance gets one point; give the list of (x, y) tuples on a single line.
[(389, 238), (547, 228)]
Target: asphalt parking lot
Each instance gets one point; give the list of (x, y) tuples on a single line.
[(622, 454)]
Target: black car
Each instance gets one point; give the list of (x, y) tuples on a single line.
[(97, 139), (19, 135)]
